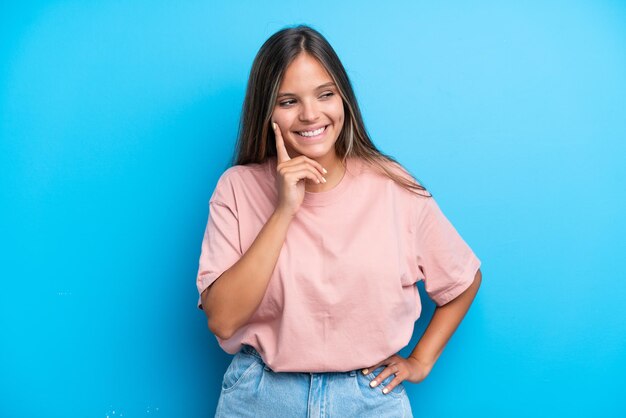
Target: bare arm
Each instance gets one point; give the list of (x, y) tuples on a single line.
[(442, 325), (233, 298)]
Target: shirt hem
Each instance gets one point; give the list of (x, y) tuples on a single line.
[(461, 285)]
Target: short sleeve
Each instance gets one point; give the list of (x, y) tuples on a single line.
[(221, 246), (448, 264)]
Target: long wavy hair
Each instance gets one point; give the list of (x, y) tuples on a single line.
[(255, 139)]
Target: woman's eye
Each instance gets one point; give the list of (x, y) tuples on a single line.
[(290, 102)]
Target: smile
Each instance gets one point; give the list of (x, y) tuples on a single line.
[(313, 134)]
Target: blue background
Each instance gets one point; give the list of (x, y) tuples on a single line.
[(117, 118)]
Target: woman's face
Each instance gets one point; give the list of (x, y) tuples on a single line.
[(308, 100)]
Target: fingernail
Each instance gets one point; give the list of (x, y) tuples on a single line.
[(385, 390), (373, 383), (323, 179), (274, 125), (325, 173), (365, 371)]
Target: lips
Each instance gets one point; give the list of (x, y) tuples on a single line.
[(316, 130)]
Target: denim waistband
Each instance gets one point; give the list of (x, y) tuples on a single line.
[(248, 349)]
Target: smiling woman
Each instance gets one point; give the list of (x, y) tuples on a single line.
[(311, 115), (310, 231)]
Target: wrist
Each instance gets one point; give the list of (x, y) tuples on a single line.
[(283, 215), (423, 362)]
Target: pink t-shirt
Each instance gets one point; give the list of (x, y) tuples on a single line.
[(342, 295)]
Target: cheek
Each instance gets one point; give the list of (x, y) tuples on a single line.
[(277, 116), (285, 117), (338, 111), (340, 122), (340, 117)]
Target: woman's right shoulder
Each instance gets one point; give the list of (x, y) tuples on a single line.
[(238, 176), (231, 173)]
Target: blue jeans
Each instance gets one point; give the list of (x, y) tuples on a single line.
[(251, 389)]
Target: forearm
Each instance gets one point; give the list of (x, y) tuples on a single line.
[(234, 297), (443, 324)]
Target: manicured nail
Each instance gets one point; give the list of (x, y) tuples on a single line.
[(373, 383), (365, 371), (323, 179), (274, 125), (385, 390), (325, 173)]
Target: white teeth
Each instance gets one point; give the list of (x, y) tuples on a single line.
[(312, 133)]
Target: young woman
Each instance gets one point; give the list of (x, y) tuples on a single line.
[(313, 246)]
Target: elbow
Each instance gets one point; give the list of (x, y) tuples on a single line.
[(220, 323), (216, 325), (216, 318), (220, 331), (219, 328)]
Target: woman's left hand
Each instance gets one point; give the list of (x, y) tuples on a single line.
[(409, 369)]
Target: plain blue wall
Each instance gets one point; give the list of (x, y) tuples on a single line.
[(117, 118)]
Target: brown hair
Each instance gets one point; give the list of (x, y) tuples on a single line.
[(255, 142)]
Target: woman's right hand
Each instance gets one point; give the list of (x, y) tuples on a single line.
[(291, 175)]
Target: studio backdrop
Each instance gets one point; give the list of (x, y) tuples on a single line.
[(118, 117)]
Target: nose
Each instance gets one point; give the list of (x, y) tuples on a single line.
[(309, 111)]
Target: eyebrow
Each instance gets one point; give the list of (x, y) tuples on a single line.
[(317, 88)]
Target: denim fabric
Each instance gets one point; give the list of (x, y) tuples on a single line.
[(251, 389)]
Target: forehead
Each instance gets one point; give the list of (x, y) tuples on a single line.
[(304, 72)]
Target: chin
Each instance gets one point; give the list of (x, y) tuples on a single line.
[(317, 155)]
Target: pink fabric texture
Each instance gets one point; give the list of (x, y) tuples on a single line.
[(342, 295)]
